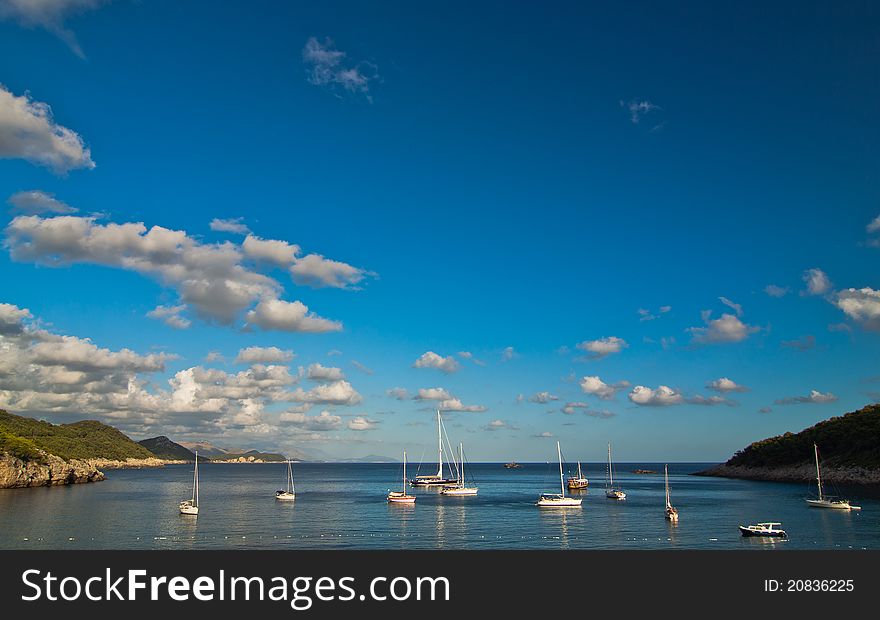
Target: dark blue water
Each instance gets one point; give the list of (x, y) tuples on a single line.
[(342, 506)]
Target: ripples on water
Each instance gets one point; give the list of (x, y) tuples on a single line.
[(343, 506)]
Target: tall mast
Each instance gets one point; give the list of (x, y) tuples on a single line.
[(196, 481), (579, 470), (561, 482), (439, 447), (610, 470), (666, 477), (461, 460), (818, 473), (404, 472)]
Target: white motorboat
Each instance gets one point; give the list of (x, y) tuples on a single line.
[(770, 529)]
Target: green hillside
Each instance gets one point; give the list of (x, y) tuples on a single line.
[(850, 440), (164, 448), (24, 437)]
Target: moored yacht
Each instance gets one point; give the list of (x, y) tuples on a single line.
[(770, 529), (610, 491), (558, 500), (290, 493), (400, 497), (438, 478), (826, 501), (191, 506)]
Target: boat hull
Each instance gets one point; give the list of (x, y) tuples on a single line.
[(459, 491), (401, 498), (283, 496), (188, 509), (431, 482), (616, 495), (824, 503), (565, 502), (762, 533), (578, 484), (672, 515)]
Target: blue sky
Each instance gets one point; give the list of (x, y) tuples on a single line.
[(457, 178)]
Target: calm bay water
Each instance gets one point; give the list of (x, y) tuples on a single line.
[(342, 506)]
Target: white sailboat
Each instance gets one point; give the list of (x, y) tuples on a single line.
[(438, 478), (191, 506), (558, 500), (290, 493), (400, 497), (461, 488), (826, 501), (671, 511), (610, 491)]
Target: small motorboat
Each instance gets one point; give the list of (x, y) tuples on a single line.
[(512, 465), (769, 529)]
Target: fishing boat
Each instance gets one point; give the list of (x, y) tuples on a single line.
[(576, 483), (827, 501), (461, 488), (770, 529), (610, 491), (512, 465), (191, 506), (438, 478), (290, 493), (400, 497), (671, 511), (558, 500)]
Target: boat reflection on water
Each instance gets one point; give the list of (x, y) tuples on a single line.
[(557, 522)]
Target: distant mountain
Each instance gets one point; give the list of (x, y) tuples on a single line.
[(25, 438), (166, 449), (370, 458), (216, 453), (208, 450), (849, 449)]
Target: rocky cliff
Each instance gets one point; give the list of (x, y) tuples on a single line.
[(53, 471)]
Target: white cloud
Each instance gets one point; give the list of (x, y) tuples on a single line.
[(273, 251), (638, 108), (733, 306), (235, 226), (543, 397), (454, 404), (861, 305), (726, 329), (661, 397), (212, 278), (325, 421), (50, 15), (603, 347), (498, 425), (398, 393), (265, 355), (361, 423), (574, 407), (776, 291), (544, 435), (596, 387), (508, 354), (28, 131), (467, 355), (214, 356), (726, 386), (430, 359), (432, 394), (710, 401), (35, 202), (327, 66), (317, 372), (814, 397), (874, 225), (289, 316), (170, 315), (335, 393), (316, 271), (647, 315), (817, 281)]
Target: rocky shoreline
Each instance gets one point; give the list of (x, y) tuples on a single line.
[(55, 471), (806, 472)]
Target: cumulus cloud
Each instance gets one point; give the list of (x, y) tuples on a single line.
[(454, 404), (170, 315), (317, 372), (508, 354), (35, 202), (432, 394), (273, 251), (263, 355), (647, 315), (574, 407), (543, 397), (499, 425), (817, 281), (214, 279), (594, 386), (728, 328), (334, 393), (430, 359), (398, 393), (235, 226), (318, 272), (726, 386), (603, 347), (814, 397), (329, 67), (361, 423), (324, 421), (49, 15), (874, 225), (776, 291), (710, 401), (733, 306), (467, 355), (861, 305), (663, 396), (28, 131)]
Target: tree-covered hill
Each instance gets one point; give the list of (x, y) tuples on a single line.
[(25, 437), (164, 448)]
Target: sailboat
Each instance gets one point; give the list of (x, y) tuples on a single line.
[(610, 491), (191, 506), (558, 500), (460, 488), (826, 501), (576, 483), (290, 493), (671, 511), (400, 497), (438, 478)]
